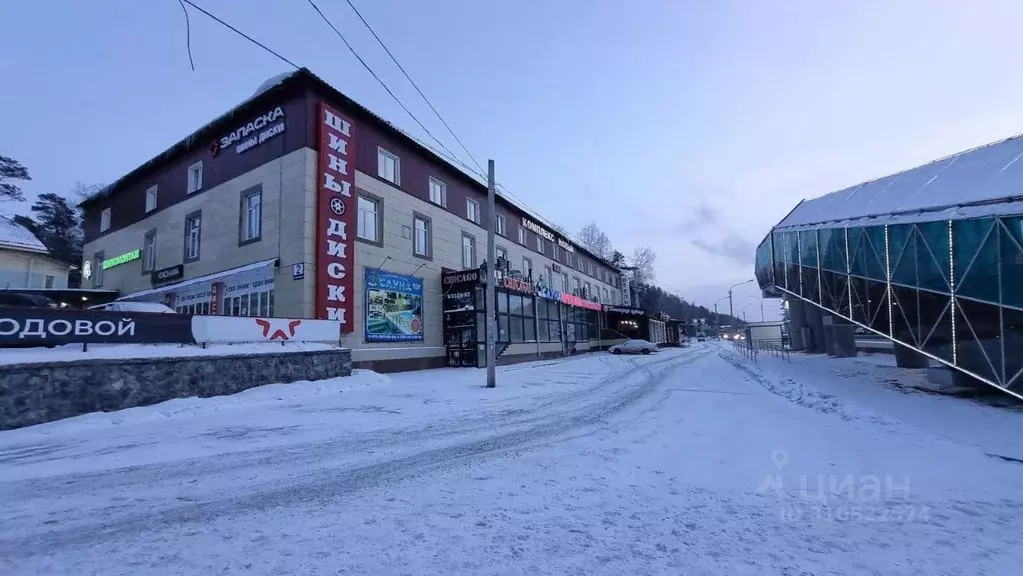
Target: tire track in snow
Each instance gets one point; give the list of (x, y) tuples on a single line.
[(544, 422)]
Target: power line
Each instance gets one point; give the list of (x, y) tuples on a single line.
[(242, 34), (413, 83), (507, 193), (188, 35), (374, 74)]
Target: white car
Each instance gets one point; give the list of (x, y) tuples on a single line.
[(633, 347), (150, 307)]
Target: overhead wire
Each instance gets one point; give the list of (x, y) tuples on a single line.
[(242, 34), (188, 35), (507, 193)]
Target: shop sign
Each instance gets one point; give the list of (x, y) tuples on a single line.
[(624, 310), (459, 301), (253, 133), (537, 229), (564, 244), (55, 326), (87, 269), (449, 278), (393, 307), (215, 291), (335, 218), (548, 293), (168, 274), (122, 259), (578, 302), (518, 285)]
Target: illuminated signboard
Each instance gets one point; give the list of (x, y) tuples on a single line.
[(122, 259)]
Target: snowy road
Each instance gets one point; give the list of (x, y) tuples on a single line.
[(685, 462)]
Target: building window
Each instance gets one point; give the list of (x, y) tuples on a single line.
[(252, 304), (468, 251), (148, 252), (564, 282), (548, 317), (104, 220), (589, 268), (588, 293), (522, 235), (422, 240), (527, 267), (97, 269), (368, 225), (500, 225), (151, 199), (580, 324), (472, 210), (193, 236), (251, 215), (516, 317), (388, 167), (195, 177), (501, 253), (555, 252), (48, 281), (576, 286), (438, 192), (548, 276), (539, 245)]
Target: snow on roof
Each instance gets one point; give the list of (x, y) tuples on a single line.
[(14, 235), (989, 176)]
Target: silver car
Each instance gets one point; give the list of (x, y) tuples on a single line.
[(633, 347)]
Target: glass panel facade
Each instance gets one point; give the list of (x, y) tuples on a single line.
[(898, 279)]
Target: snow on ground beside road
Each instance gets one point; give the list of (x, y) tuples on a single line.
[(685, 462), (71, 352), (873, 384)]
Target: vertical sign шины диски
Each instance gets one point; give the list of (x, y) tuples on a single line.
[(335, 280)]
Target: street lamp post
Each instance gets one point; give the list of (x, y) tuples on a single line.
[(730, 311)]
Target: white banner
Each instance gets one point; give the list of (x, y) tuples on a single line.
[(227, 329)]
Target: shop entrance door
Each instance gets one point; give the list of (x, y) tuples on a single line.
[(462, 332)]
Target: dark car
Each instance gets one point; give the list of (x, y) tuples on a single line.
[(19, 300)]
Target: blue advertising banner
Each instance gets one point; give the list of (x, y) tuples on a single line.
[(394, 307)]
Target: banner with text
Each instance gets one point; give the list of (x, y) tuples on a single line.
[(394, 307)]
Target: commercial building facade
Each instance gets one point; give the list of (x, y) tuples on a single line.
[(302, 203)]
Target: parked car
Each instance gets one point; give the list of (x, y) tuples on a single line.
[(149, 307), (634, 347), (19, 300)]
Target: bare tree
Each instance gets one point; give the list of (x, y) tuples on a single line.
[(642, 264), (594, 239)]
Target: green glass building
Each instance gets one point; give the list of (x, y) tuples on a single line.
[(931, 258)]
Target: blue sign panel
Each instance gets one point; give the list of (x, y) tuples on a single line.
[(393, 307)]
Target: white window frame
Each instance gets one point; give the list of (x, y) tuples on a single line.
[(248, 220), (152, 195), (527, 266), (554, 251), (522, 235), (500, 225), (539, 244), (194, 236), (383, 155), (360, 228), (501, 252), (472, 210), (148, 251), (468, 250), (104, 220), (442, 192), (195, 177), (425, 252)]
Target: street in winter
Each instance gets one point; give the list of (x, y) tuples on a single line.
[(688, 461)]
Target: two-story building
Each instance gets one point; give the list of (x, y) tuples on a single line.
[(300, 202)]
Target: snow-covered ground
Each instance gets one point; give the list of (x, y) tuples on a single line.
[(689, 461), (70, 352)]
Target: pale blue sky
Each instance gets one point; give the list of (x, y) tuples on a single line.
[(688, 126)]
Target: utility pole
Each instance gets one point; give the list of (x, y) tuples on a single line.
[(490, 279), (762, 310), (730, 311)]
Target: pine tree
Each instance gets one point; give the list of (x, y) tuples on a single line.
[(11, 169), (55, 222)]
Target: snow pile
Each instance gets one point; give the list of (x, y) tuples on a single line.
[(72, 352)]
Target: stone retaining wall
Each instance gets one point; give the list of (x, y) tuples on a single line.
[(36, 393)]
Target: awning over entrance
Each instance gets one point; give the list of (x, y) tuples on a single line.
[(177, 286)]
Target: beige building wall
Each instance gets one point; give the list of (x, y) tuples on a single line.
[(288, 233)]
